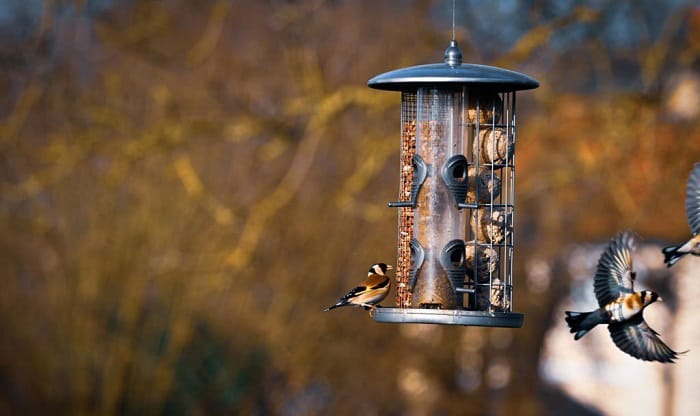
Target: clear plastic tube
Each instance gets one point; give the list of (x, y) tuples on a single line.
[(437, 219)]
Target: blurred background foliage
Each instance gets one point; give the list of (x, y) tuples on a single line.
[(184, 186)]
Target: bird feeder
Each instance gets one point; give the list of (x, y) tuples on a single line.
[(456, 194)]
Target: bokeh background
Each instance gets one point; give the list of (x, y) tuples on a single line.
[(185, 185)]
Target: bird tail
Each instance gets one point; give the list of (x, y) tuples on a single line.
[(582, 322), (337, 305), (672, 255)]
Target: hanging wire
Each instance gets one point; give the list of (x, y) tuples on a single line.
[(454, 6)]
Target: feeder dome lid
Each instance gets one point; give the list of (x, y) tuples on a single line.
[(452, 72)]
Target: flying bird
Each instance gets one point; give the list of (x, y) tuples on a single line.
[(370, 292), (692, 209), (621, 307)]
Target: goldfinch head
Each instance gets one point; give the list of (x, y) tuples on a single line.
[(379, 268), (649, 297)]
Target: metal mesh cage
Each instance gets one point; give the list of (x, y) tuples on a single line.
[(408, 150), (491, 155)]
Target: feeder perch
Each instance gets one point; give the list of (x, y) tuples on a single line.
[(420, 172), (456, 193)]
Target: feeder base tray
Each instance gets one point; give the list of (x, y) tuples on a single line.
[(448, 317)]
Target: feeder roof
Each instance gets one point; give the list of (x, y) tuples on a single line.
[(481, 76), (453, 73)]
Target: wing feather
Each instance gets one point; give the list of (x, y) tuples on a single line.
[(614, 275), (692, 199), (354, 292), (373, 282), (637, 339)]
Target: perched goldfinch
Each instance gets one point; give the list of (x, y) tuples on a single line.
[(370, 292), (692, 209), (621, 307)]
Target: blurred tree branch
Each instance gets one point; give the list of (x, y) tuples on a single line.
[(324, 112), (540, 35), (185, 187)]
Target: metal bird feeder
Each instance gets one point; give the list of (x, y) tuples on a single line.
[(456, 195)]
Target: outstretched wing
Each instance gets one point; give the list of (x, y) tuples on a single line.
[(614, 275), (692, 199), (637, 339)]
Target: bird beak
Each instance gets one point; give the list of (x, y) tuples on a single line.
[(659, 299), (388, 267)]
